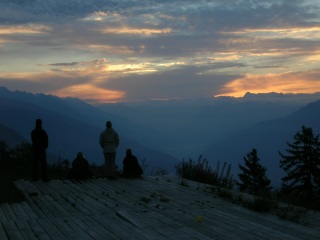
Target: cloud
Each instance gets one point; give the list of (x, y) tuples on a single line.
[(43, 82), (23, 29), (119, 83), (90, 63), (186, 82), (34, 11), (291, 82), (158, 49), (90, 93), (136, 31)]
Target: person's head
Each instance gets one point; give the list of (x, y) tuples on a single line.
[(108, 124), (38, 123), (80, 155), (129, 152)]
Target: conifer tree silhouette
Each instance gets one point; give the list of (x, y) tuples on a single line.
[(302, 165), (253, 177)]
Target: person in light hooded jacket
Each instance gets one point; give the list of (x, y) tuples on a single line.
[(109, 142)]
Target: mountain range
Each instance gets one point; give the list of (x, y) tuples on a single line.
[(164, 132)]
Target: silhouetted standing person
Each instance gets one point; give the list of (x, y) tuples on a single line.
[(131, 167), (109, 141), (40, 144)]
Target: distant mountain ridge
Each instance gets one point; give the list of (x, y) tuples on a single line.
[(281, 97), (11, 137)]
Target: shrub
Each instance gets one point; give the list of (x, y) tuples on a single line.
[(201, 171), (262, 205)]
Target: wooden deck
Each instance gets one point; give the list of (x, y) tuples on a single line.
[(147, 208)]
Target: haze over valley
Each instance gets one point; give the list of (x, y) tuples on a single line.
[(163, 133)]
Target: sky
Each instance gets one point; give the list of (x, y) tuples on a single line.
[(121, 50)]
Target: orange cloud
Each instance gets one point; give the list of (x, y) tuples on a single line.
[(137, 31), (307, 82), (294, 32), (90, 92), (112, 49)]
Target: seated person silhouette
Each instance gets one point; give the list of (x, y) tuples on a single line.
[(131, 167), (80, 168)]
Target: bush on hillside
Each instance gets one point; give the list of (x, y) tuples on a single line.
[(201, 171)]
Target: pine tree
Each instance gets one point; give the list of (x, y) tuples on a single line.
[(253, 178), (302, 165)]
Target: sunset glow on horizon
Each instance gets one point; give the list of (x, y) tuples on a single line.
[(115, 51)]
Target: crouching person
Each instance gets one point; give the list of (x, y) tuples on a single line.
[(131, 167), (80, 168)]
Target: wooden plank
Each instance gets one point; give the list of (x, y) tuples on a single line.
[(91, 231), (253, 228), (26, 207), (263, 222), (165, 226), (12, 230), (185, 221), (100, 227), (8, 211), (99, 198), (39, 230), (3, 234), (77, 204), (46, 188), (55, 207), (211, 229), (247, 231), (68, 229), (2, 215), (65, 205), (27, 187), (104, 204), (51, 229), (115, 201), (91, 205), (75, 199), (74, 187), (60, 208), (25, 229), (129, 218), (123, 229), (19, 211), (42, 204), (37, 211), (49, 206)]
